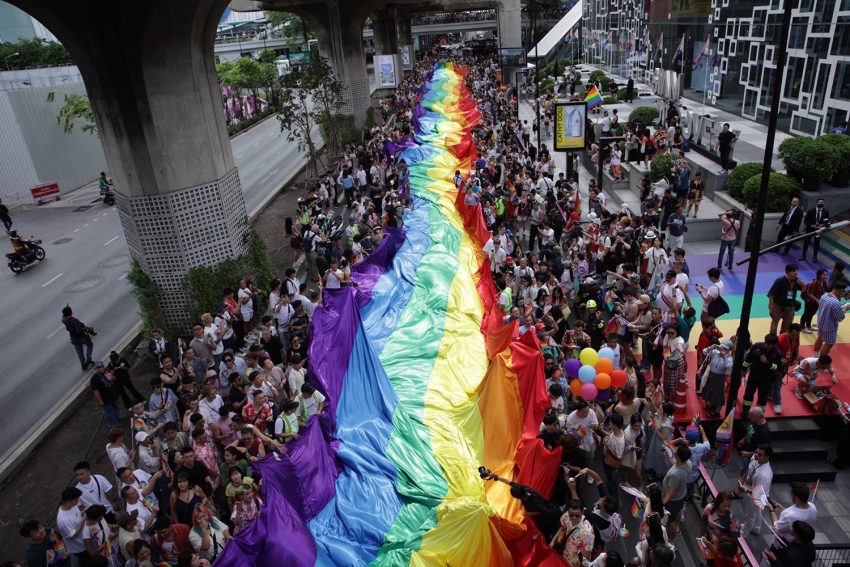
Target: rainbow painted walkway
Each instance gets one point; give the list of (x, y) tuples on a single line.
[(771, 267), (424, 384)]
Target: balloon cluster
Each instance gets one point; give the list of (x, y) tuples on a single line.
[(594, 375)]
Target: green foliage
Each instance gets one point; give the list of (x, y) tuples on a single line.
[(780, 189), (147, 295), (36, 52), (246, 73), (840, 142), (809, 158), (204, 284), (648, 114), (344, 124), (660, 166), (316, 81), (76, 109), (738, 176), (242, 125), (609, 100), (596, 73), (370, 117), (603, 83), (294, 27), (621, 93), (546, 84)]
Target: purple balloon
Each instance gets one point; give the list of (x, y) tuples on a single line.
[(603, 395), (571, 367)]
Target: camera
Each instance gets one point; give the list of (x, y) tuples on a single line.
[(735, 214), (485, 473), (91, 331)]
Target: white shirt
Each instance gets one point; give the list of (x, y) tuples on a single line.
[(333, 278), (588, 443), (144, 513), (361, 177), (791, 514), (311, 403), (246, 308), (209, 409), (140, 478), (67, 522), (212, 335), (95, 492), (295, 379), (714, 291)]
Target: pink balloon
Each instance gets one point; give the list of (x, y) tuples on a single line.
[(589, 391)]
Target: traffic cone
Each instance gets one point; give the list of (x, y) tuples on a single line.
[(680, 399)]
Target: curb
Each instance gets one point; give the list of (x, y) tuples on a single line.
[(14, 457), (251, 127)]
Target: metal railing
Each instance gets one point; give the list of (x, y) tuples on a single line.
[(827, 555), (706, 489)]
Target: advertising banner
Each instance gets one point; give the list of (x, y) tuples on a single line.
[(570, 123), (385, 71)]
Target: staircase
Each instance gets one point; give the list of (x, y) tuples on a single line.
[(798, 451)]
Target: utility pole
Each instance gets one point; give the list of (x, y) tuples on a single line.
[(743, 334), (533, 6)]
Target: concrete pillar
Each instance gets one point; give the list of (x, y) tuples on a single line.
[(509, 13), (403, 29), (510, 23), (339, 30), (384, 26), (149, 70)]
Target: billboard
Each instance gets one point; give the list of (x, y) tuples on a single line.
[(385, 71), (570, 124), (512, 57)]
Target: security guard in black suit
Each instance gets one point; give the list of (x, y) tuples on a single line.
[(815, 218), (789, 224)]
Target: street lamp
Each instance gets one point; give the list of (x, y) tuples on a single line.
[(8, 57), (743, 333)]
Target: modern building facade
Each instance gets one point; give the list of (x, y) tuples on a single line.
[(726, 51)]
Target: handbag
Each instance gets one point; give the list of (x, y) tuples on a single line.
[(718, 307)]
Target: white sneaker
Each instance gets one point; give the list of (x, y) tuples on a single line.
[(777, 409), (798, 393), (808, 330)]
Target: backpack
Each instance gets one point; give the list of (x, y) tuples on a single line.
[(307, 240)]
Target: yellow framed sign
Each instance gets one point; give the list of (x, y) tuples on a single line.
[(570, 124)]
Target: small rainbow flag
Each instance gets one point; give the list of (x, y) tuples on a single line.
[(614, 326), (637, 509), (593, 97)]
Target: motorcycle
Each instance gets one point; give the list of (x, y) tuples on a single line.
[(108, 198), (20, 260), (106, 193)]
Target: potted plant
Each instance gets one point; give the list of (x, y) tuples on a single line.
[(780, 190), (842, 143), (809, 160), (661, 166), (648, 114), (738, 176)]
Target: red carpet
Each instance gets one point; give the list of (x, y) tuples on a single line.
[(791, 406)]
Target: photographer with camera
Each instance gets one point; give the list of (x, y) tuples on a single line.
[(81, 335), (542, 512), (730, 224)]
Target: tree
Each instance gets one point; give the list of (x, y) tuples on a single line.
[(248, 74), (294, 27), (76, 109), (296, 116), (36, 52), (327, 94)]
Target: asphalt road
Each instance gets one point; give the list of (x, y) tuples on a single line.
[(86, 266)]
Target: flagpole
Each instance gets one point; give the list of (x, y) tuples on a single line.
[(682, 78), (705, 82)]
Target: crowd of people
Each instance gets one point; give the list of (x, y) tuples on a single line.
[(568, 269)]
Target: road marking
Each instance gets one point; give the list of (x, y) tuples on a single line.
[(95, 219), (50, 336), (257, 143), (76, 230), (87, 224), (269, 174), (111, 240), (53, 279), (237, 156), (123, 276)]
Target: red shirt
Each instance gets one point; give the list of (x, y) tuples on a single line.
[(788, 346), (256, 417)]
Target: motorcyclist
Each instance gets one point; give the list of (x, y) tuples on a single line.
[(104, 184), (17, 242)]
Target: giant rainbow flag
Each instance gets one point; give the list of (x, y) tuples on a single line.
[(425, 383)]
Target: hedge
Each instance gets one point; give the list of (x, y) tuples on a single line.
[(661, 166), (780, 189), (738, 176), (648, 114)]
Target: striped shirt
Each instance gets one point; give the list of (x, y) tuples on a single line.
[(830, 314)]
